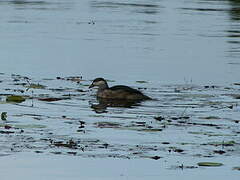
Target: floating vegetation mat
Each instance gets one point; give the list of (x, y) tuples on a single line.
[(62, 116)]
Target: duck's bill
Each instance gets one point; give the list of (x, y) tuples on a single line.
[(91, 86)]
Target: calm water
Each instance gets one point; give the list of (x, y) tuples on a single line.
[(162, 41), (183, 53)]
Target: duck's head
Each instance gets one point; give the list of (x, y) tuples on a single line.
[(99, 82)]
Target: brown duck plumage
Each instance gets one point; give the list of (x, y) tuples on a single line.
[(116, 92)]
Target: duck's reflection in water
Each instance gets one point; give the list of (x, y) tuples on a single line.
[(103, 104)]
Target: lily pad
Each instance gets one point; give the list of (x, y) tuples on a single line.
[(74, 78), (141, 82), (107, 125), (36, 86), (150, 130), (222, 143), (236, 168), (52, 99), (155, 157), (30, 126), (209, 164), (6, 132), (14, 98), (210, 133), (211, 117)]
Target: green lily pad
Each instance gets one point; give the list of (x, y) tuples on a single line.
[(211, 117), (13, 98), (209, 164), (108, 80), (222, 143), (36, 86)]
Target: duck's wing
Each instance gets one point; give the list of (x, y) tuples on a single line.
[(125, 88)]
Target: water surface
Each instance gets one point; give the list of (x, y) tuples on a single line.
[(182, 53), (157, 40)]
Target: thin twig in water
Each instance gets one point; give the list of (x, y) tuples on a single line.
[(184, 112)]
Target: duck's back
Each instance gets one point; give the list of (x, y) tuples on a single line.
[(122, 92), (126, 89)]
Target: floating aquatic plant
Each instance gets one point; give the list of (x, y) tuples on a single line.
[(209, 164), (14, 98)]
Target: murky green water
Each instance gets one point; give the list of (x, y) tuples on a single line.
[(183, 54)]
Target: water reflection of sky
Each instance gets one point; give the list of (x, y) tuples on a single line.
[(231, 8), (234, 31), (131, 6), (166, 41)]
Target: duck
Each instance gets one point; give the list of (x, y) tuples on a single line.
[(119, 92)]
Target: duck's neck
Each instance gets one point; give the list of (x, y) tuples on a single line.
[(103, 87)]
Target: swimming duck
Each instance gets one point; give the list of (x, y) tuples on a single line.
[(119, 92)]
